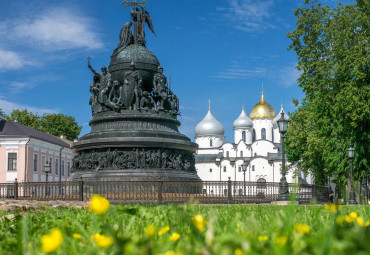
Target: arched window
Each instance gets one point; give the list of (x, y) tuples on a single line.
[(254, 135), (243, 136), (227, 154), (263, 133), (261, 183), (241, 153), (210, 142), (210, 170), (272, 134), (224, 168)]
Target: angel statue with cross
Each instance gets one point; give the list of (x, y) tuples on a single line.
[(140, 17)]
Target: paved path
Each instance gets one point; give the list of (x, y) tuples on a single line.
[(25, 205)]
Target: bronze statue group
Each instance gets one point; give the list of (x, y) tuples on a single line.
[(131, 95)]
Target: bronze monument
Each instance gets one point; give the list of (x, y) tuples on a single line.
[(134, 130)]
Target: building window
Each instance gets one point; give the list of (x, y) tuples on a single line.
[(12, 161), (69, 168), (224, 168), (240, 169), (43, 163), (210, 170), (252, 168), (51, 165), (56, 166), (62, 165), (210, 142), (263, 133), (241, 153), (227, 154), (272, 134), (243, 136), (35, 162), (254, 135)]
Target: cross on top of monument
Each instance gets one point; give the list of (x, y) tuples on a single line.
[(134, 4)]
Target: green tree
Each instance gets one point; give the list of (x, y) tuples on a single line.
[(26, 118), (332, 45), (2, 113), (59, 124), (55, 124)]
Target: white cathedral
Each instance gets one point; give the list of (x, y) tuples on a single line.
[(256, 142)]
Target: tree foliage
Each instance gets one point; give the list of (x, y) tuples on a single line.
[(55, 124), (24, 117), (59, 124), (2, 113), (333, 51)]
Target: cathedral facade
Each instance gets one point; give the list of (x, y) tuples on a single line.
[(256, 142)]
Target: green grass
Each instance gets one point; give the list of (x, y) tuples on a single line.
[(230, 229)]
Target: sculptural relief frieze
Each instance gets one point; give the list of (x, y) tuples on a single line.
[(137, 158)]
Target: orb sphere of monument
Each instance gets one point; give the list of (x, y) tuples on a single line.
[(146, 62)]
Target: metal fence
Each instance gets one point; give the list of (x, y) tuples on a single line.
[(206, 192)]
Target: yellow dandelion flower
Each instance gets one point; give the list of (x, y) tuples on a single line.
[(51, 242), (175, 236), (350, 217), (302, 228), (76, 236), (281, 241), (263, 238), (164, 230), (149, 230), (332, 207), (199, 222), (340, 219), (367, 223), (98, 205), (170, 253), (360, 221), (238, 251), (102, 241)]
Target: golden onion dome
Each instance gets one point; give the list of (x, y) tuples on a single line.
[(262, 110)]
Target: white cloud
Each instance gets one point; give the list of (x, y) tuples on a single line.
[(239, 73), (10, 60), (249, 15), (8, 107), (289, 76), (53, 29)]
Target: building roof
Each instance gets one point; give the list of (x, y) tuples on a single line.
[(274, 121), (262, 110), (209, 126), (242, 121), (13, 129), (205, 158)]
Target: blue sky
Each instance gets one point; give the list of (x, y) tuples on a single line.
[(220, 50)]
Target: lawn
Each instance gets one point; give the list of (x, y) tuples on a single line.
[(188, 229)]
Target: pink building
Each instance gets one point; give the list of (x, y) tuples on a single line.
[(24, 152)]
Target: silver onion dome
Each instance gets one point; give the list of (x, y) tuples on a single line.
[(209, 126), (274, 121), (242, 121)]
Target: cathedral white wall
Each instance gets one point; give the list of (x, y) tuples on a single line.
[(276, 135), (204, 173), (238, 135), (229, 150), (262, 147), (258, 124), (242, 147), (205, 141), (208, 151)]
